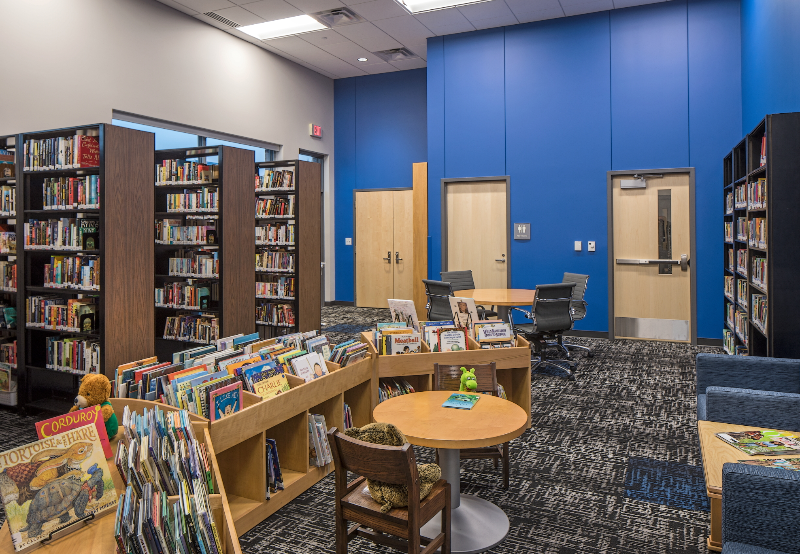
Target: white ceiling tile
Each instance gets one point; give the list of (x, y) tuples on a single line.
[(404, 29), (350, 52), (368, 36), (204, 6), (309, 53), (629, 3), (445, 22), (323, 38), (379, 9), (240, 16), (271, 10), (314, 6), (352, 72), (179, 7), (380, 68), (419, 47), (535, 10), (578, 7), (485, 10), (354, 2), (409, 64), (501, 21)]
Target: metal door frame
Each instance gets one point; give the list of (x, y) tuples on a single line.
[(355, 237), (468, 180), (692, 244)]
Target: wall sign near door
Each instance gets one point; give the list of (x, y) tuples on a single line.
[(522, 231), (315, 130)]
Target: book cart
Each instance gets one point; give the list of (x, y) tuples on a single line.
[(762, 293), (305, 249), (513, 367), (98, 535), (8, 294)]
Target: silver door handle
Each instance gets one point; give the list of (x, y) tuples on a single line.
[(683, 262), (501, 261), (388, 257), (397, 258)]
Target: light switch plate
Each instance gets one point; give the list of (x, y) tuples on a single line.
[(348, 241), (590, 246), (577, 246)]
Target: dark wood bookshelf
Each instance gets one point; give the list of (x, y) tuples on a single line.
[(12, 298), (229, 302), (781, 169), (307, 249), (124, 321)]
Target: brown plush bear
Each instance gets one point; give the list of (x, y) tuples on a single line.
[(96, 389), (391, 495)]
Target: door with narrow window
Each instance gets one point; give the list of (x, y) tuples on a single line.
[(384, 236), (652, 250)]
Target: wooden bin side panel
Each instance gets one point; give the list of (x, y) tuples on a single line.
[(309, 237)]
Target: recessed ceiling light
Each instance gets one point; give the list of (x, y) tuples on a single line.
[(362, 59), (421, 6), (283, 27)]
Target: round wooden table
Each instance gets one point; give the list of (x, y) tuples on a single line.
[(502, 298), (476, 524)]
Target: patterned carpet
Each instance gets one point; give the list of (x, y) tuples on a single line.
[(611, 463)]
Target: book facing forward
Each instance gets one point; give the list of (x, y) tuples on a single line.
[(763, 443), (461, 401)]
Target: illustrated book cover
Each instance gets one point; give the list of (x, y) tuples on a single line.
[(225, 401), (461, 401), (403, 311), (92, 415), (465, 313), (452, 341), (768, 442), (781, 463)]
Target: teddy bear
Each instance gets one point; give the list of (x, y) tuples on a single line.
[(392, 495), (96, 389)]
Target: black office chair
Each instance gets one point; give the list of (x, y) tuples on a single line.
[(438, 293), (578, 306), (462, 280), (552, 316)]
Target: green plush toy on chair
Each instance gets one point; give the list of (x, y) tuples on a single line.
[(468, 381)]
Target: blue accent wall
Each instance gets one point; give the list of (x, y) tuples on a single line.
[(770, 59), (379, 132), (557, 104)]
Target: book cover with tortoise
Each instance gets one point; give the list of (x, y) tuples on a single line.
[(50, 484)]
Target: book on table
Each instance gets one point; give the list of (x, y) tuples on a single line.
[(781, 463), (461, 401), (765, 443)]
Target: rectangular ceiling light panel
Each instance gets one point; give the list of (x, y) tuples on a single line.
[(421, 6), (283, 27)]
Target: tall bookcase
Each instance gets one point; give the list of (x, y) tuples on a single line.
[(123, 323), (305, 250), (762, 197), (9, 295), (231, 298)]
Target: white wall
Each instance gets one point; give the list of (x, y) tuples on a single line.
[(71, 62)]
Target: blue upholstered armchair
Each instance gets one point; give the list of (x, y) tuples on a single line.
[(760, 510), (752, 373)]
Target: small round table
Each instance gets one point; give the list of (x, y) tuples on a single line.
[(502, 298), (476, 525)]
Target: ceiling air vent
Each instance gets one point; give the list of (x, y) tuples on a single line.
[(338, 17), (223, 20), (396, 55)]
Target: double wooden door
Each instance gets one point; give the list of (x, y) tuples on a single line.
[(384, 241)]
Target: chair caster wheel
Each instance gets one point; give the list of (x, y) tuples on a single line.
[(590, 354)]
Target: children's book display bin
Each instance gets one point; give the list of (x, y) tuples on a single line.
[(98, 535), (513, 367), (240, 439)]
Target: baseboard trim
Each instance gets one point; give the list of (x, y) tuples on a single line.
[(339, 303), (587, 334), (709, 342)]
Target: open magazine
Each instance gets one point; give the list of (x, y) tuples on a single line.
[(764, 443)]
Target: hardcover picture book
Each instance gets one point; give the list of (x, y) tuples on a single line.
[(767, 443), (403, 311), (461, 401), (452, 340), (49, 484), (5, 378), (465, 313), (92, 415), (404, 344), (225, 401), (272, 386)]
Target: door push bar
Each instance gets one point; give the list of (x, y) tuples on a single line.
[(683, 262)]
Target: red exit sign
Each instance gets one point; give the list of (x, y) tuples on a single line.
[(316, 131)]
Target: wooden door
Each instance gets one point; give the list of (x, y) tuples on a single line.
[(652, 300), (477, 231), (403, 244), (374, 248)]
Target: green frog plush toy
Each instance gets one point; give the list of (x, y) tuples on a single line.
[(468, 381)]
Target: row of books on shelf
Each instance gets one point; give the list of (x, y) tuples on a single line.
[(277, 287), (275, 261), (73, 272), (182, 172), (741, 261), (172, 231), (279, 206), (194, 263), (278, 315), (729, 203), (202, 328), (205, 199), (741, 292), (274, 473), (740, 324), (62, 234), (729, 287), (8, 316), (61, 314), (319, 449), (72, 355), (758, 311), (730, 265), (275, 179), (8, 200), (275, 234), (729, 343), (741, 228), (348, 416), (8, 241), (729, 231), (757, 194), (64, 193), (183, 295), (740, 197), (8, 274), (61, 153), (757, 232), (8, 353), (7, 167), (760, 272), (762, 160)]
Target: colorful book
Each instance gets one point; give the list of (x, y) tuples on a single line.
[(403, 311), (465, 313), (92, 415), (461, 401), (768, 442), (781, 463), (452, 341), (404, 344), (225, 401), (272, 386)]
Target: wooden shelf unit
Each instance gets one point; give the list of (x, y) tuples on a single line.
[(10, 298), (307, 249), (513, 367), (781, 251), (240, 439), (125, 312), (230, 301)]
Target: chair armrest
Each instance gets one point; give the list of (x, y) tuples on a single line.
[(747, 372), (759, 505), (773, 410), (527, 314)]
